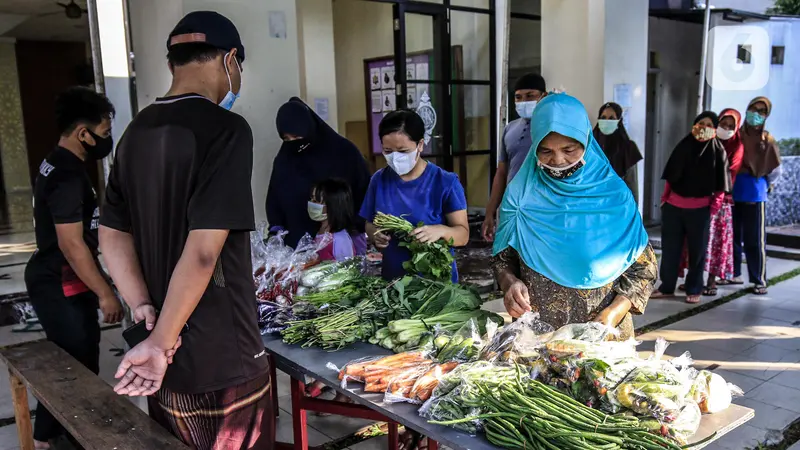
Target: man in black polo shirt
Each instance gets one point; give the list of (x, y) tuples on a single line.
[(175, 231), (63, 278)]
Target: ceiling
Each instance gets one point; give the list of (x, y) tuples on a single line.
[(41, 20)]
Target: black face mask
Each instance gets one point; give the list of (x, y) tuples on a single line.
[(102, 146), (297, 145)]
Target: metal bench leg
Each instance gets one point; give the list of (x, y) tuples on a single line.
[(19, 395)]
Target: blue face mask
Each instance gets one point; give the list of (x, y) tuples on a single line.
[(525, 109), (754, 119), (230, 98)]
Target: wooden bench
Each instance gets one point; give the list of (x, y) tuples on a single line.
[(83, 403)]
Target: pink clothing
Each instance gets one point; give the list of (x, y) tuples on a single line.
[(343, 246), (671, 197)]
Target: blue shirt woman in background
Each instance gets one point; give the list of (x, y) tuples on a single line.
[(415, 189), (759, 170)]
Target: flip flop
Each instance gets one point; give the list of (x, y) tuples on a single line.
[(682, 288), (710, 292), (760, 290), (724, 282), (660, 295)]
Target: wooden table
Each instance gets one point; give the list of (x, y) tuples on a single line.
[(314, 362)]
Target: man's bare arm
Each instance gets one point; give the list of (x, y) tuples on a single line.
[(188, 283), (123, 265), (82, 261)]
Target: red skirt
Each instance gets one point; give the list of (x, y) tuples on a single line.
[(719, 255)]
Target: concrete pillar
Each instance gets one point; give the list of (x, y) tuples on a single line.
[(116, 69), (597, 51), (13, 150)]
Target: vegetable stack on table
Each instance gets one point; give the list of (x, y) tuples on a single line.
[(523, 385)]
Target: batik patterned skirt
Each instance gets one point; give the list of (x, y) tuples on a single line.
[(235, 418), (719, 255)]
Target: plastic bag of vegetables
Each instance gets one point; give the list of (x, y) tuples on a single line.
[(712, 393), (377, 372), (463, 345), (679, 430), (274, 317), (518, 341), (416, 384), (452, 407)]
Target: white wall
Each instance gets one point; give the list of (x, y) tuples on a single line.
[(317, 55), (783, 88), (271, 69)]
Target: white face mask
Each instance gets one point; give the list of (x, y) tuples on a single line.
[(525, 109), (402, 162), (724, 134), (607, 126), (315, 212)]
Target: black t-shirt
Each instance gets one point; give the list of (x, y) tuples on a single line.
[(62, 194), (185, 164)]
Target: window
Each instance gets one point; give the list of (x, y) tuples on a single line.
[(777, 54), (743, 54)]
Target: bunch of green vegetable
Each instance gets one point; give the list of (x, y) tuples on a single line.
[(530, 415), (408, 334), (341, 326), (432, 260), (347, 292)]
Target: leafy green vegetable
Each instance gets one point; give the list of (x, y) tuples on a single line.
[(432, 260)]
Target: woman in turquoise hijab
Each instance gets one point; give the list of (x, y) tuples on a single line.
[(570, 244)]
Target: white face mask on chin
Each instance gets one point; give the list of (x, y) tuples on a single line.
[(724, 134)]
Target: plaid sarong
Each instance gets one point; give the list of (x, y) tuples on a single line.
[(235, 418)]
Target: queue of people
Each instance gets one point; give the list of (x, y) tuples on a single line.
[(717, 182)]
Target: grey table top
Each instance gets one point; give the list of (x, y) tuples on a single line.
[(298, 362)]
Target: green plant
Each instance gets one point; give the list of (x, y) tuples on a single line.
[(791, 146), (785, 7)]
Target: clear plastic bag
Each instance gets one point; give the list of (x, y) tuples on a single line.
[(712, 393), (680, 430), (463, 345), (452, 407), (520, 339), (377, 371), (403, 381)]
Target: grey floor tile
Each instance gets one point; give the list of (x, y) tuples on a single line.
[(378, 443), (788, 378), (768, 417), (285, 432), (783, 315), (9, 337), (9, 439), (763, 361), (788, 343), (776, 395)]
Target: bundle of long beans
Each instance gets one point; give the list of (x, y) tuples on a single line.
[(530, 415), (342, 325)]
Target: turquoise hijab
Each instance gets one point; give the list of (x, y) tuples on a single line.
[(582, 232)]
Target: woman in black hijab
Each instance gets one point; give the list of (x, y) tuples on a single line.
[(697, 178), (311, 152), (621, 151)]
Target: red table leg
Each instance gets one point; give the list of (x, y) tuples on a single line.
[(432, 445), (393, 435), (299, 421)]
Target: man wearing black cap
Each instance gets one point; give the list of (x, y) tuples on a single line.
[(175, 231), (528, 91)]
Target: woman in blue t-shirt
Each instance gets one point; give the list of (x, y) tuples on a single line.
[(414, 189)]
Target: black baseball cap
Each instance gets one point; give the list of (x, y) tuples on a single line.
[(207, 27)]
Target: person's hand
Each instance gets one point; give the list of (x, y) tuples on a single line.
[(613, 314), (489, 227), (111, 308), (429, 233), (147, 313), (381, 240), (142, 370), (517, 299)]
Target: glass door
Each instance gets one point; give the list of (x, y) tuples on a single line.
[(420, 47), (444, 60)]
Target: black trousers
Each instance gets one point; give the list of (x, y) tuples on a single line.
[(72, 324), (750, 237), (679, 225)]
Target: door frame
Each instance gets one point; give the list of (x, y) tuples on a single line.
[(443, 58)]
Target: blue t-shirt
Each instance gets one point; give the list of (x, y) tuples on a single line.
[(749, 189), (427, 199)]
